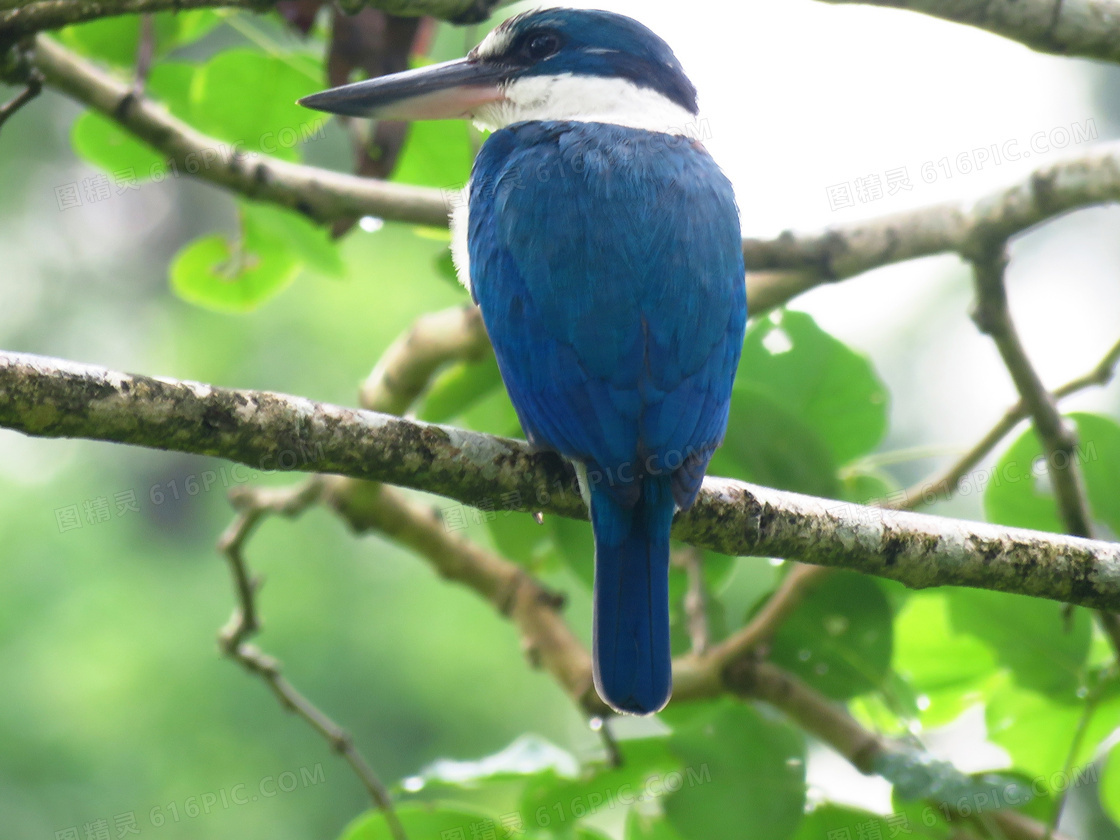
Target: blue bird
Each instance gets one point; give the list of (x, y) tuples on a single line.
[(601, 243)]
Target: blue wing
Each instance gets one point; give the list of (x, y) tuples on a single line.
[(607, 263)]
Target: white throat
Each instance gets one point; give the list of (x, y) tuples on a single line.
[(586, 99)]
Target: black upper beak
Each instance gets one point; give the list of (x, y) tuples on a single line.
[(441, 91)]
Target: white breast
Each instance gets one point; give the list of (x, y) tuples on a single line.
[(460, 224)]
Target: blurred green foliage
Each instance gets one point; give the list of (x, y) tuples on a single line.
[(115, 706)]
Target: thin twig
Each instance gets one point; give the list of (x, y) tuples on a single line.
[(549, 643), (1091, 702), (25, 17), (1058, 438), (602, 725), (253, 505), (780, 268), (800, 580), (145, 52), (943, 484), (696, 599), (1056, 434), (33, 87)]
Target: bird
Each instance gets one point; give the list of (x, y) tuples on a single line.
[(602, 245)]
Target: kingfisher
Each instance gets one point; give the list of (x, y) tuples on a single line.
[(601, 243)]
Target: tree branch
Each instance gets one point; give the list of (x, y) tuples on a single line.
[(407, 367), (1072, 28), (842, 252), (549, 643), (318, 193), (945, 482), (34, 86), (254, 504), (993, 317), (25, 17), (50, 398), (781, 268)]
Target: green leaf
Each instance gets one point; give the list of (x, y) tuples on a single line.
[(756, 768), (240, 275), (103, 143), (420, 822), (575, 545), (838, 639), (436, 153), (641, 826), (100, 141), (918, 776), (866, 486), (458, 388), (749, 581), (768, 444), (936, 796), (287, 229), (829, 821), (944, 667), (228, 100), (1038, 731), (829, 387), (527, 755), (1109, 790), (212, 273), (519, 537), (1030, 636), (115, 39), (1018, 492), (647, 772)]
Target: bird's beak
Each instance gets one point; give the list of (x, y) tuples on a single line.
[(453, 89)]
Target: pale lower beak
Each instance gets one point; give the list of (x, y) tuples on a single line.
[(453, 89)]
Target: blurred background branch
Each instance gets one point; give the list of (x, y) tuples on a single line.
[(1081, 29), (26, 17)]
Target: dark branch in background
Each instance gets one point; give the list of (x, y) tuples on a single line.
[(695, 599), (26, 17), (782, 268), (49, 398), (34, 86), (1082, 29), (945, 482), (843, 252), (245, 623), (993, 317), (734, 666), (145, 52), (407, 367), (320, 194)]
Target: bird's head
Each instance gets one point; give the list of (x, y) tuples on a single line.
[(549, 64)]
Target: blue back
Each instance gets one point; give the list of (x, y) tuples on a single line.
[(607, 263)]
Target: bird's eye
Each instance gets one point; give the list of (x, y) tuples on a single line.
[(542, 45)]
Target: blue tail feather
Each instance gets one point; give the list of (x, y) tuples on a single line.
[(633, 670)]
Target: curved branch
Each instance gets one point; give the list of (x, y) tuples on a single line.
[(1072, 28), (781, 268), (26, 17), (50, 398), (944, 483), (319, 193), (1056, 434), (1048, 192)]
